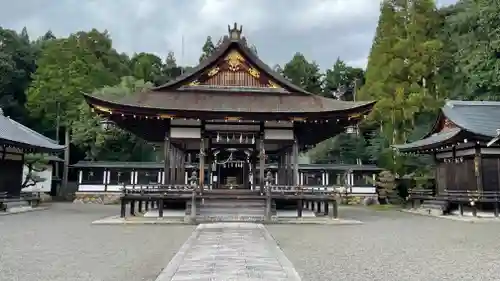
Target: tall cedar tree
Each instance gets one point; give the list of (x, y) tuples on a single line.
[(401, 71)]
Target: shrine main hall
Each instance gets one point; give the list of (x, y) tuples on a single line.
[(231, 116)]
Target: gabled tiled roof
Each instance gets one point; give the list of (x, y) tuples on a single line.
[(480, 118), (18, 135), (226, 45), (430, 142), (177, 95)]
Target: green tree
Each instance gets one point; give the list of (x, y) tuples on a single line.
[(112, 143), (474, 29), (304, 73), (170, 69), (344, 148), (17, 64), (147, 67), (207, 49), (402, 72), (67, 67), (343, 78)]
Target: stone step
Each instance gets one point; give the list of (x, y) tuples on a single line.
[(228, 211), (229, 218)]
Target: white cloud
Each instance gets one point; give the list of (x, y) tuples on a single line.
[(321, 29)]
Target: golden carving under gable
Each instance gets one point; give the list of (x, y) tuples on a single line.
[(234, 60), (273, 85), (194, 83), (233, 78), (254, 72), (213, 71)]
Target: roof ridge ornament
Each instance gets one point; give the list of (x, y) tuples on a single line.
[(234, 33)]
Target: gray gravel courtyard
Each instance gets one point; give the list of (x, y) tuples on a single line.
[(61, 244), (391, 245)]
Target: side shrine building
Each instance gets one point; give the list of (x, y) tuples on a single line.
[(231, 113), (464, 145)]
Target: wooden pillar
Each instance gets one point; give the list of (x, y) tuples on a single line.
[(123, 207), (173, 151), (245, 175), (262, 162), (209, 169), (281, 170), (166, 159), (286, 170), (160, 208), (132, 207), (183, 166), (295, 161), (254, 172), (180, 171), (300, 205), (202, 164), (478, 168)]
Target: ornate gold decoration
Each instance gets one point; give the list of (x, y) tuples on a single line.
[(103, 109), (165, 116), (213, 71), (355, 116), (232, 118), (194, 83), (234, 60), (254, 72), (272, 85)]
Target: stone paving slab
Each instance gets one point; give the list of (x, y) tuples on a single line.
[(230, 251)]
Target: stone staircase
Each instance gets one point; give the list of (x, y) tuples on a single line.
[(435, 207), (230, 210)]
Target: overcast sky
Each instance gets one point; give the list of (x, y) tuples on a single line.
[(321, 29)]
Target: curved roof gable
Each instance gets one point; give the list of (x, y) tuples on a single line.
[(233, 42)]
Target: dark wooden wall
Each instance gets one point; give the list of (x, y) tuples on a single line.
[(11, 175), (456, 175), (491, 172)]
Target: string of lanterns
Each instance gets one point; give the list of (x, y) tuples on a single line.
[(229, 119), (441, 148)]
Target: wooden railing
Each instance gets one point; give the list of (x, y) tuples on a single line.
[(322, 201)]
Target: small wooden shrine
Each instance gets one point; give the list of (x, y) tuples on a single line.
[(467, 156), (15, 141)]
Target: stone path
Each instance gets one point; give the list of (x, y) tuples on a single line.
[(229, 251)]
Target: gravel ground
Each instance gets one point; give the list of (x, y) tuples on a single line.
[(61, 244), (391, 245)]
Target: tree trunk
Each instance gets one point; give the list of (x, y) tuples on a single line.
[(64, 186)]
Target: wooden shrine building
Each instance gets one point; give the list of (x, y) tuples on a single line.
[(231, 111), (467, 157), (15, 141)]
